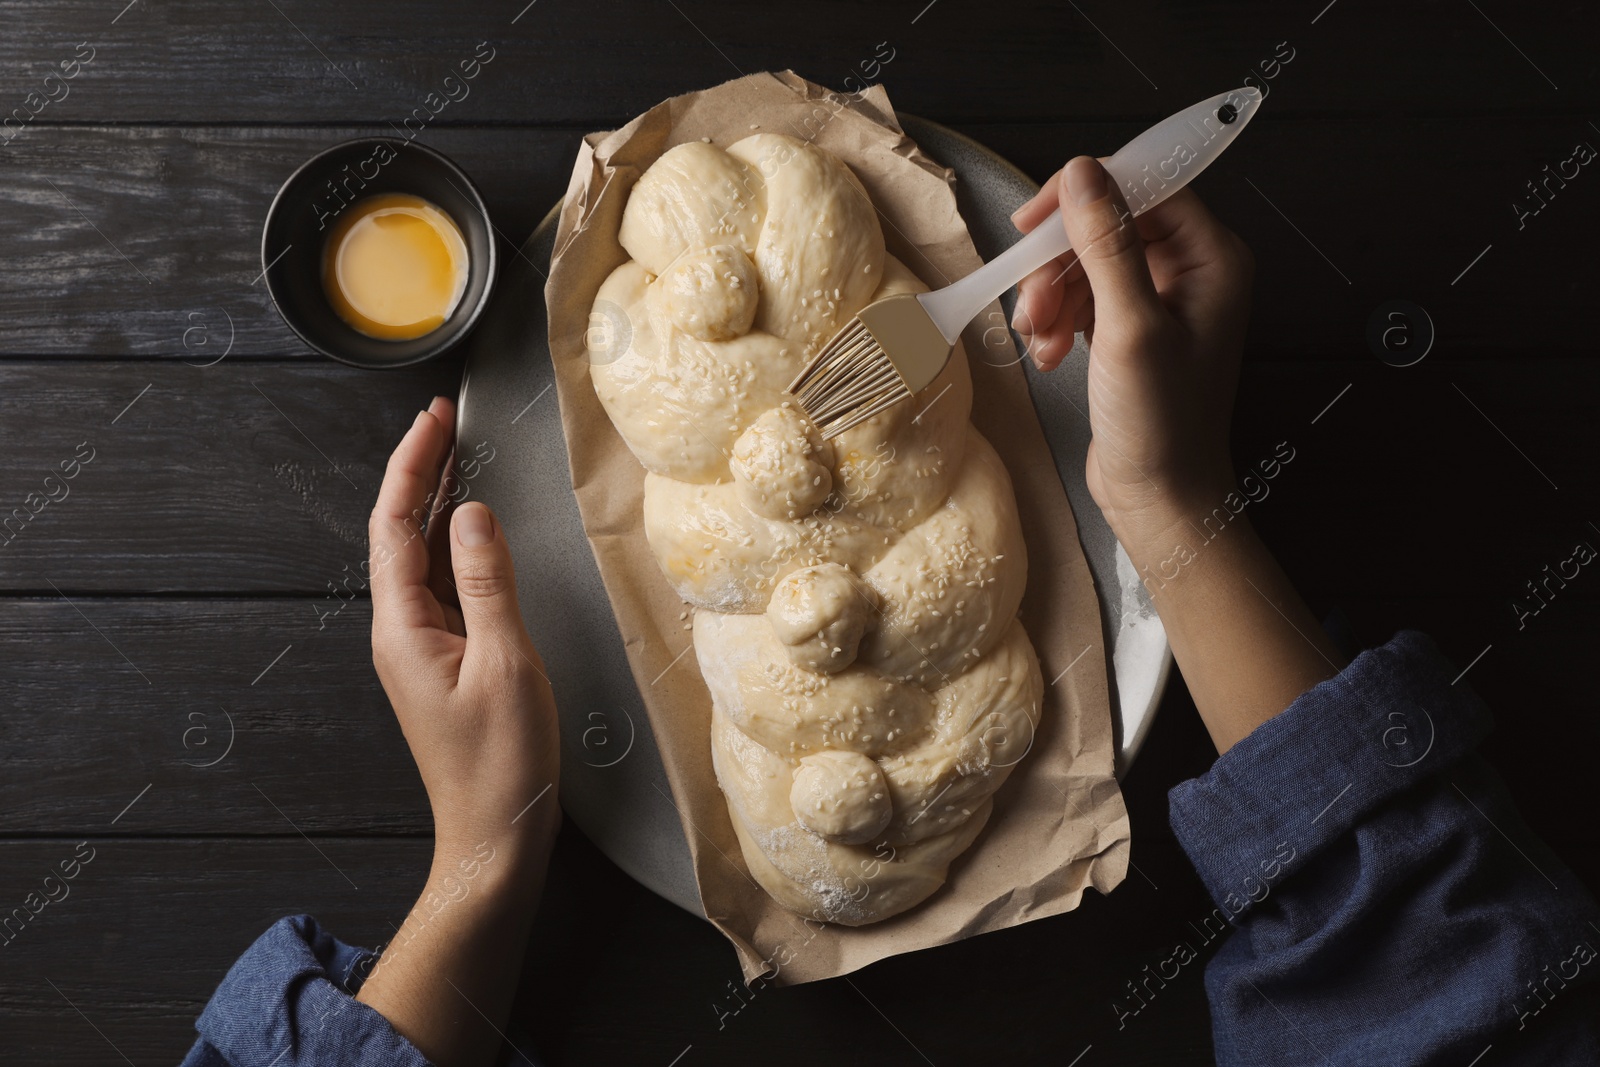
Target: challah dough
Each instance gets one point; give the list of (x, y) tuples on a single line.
[(854, 600)]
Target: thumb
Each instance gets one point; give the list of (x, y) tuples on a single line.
[(485, 581), (1108, 245)]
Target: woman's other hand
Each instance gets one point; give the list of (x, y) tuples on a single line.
[(454, 657), (475, 706)]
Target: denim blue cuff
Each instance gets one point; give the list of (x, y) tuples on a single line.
[(1304, 778), (288, 1000)]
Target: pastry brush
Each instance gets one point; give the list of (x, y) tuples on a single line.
[(894, 347)]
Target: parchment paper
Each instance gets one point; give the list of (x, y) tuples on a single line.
[(1059, 823)]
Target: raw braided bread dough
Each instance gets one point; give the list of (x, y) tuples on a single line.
[(855, 599)]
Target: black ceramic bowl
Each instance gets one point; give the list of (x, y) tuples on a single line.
[(303, 214)]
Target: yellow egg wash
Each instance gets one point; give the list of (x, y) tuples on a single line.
[(394, 266)]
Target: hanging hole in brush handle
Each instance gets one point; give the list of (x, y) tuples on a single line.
[(1148, 169)]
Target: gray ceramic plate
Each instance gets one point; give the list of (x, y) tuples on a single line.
[(612, 782)]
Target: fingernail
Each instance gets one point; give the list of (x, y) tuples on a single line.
[(474, 525), (1086, 181), (421, 417), (1020, 320)]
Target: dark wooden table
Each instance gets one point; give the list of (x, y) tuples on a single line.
[(185, 588)]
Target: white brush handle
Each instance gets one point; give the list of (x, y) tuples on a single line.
[(1149, 168)]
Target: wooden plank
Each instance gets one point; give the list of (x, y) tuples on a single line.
[(1438, 480), (601, 945), (145, 241), (198, 717), (1345, 216), (119, 715), (150, 927), (1421, 497), (1405, 486), (233, 478), (303, 62)]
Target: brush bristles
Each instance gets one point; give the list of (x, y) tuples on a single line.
[(850, 380)]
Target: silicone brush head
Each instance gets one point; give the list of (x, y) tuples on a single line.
[(888, 353)]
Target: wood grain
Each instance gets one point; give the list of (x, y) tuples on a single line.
[(145, 241), (109, 696), (188, 573), (234, 478), (151, 926), (1346, 215), (257, 478), (1442, 480), (586, 65), (239, 717)]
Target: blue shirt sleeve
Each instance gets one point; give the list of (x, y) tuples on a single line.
[(288, 1001), (1389, 904)]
